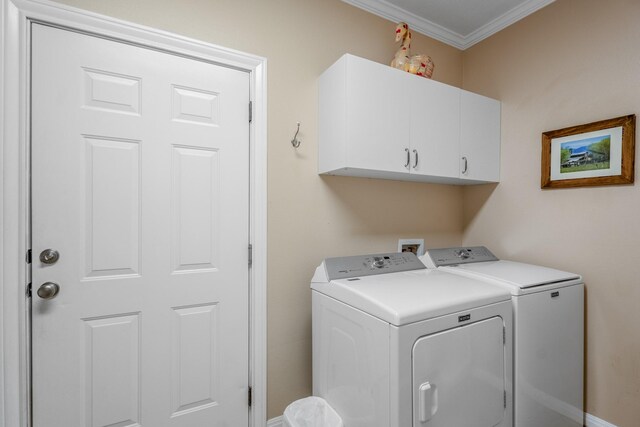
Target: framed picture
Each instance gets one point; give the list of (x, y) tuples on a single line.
[(598, 153)]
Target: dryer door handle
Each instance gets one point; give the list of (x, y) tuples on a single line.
[(428, 401)]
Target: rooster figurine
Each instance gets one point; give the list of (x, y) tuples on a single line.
[(421, 65)]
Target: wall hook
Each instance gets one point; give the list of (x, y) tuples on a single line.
[(295, 141)]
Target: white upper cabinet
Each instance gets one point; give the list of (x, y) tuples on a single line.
[(379, 122), (479, 137)]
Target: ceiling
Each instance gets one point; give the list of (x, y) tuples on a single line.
[(459, 23)]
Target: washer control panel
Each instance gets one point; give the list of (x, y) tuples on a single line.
[(367, 265), (462, 255)]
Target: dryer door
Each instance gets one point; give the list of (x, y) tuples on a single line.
[(459, 377)]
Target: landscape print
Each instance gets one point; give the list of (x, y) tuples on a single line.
[(585, 154), (592, 154)]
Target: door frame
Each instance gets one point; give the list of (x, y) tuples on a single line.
[(15, 18)]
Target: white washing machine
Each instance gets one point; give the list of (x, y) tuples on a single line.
[(398, 345), (548, 308)]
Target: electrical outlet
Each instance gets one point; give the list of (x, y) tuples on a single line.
[(411, 245)]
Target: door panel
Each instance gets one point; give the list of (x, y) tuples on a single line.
[(112, 355), (435, 128), (459, 377), (140, 180), (373, 143), (479, 137)]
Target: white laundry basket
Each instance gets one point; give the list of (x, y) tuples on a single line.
[(311, 412)]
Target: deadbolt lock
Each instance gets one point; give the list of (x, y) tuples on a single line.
[(49, 256)]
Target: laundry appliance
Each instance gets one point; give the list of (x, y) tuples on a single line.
[(399, 345), (548, 308)]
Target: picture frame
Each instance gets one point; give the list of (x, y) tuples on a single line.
[(593, 154)]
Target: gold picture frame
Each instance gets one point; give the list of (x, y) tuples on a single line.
[(598, 153)]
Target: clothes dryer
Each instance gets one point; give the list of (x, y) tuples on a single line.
[(398, 345), (548, 309)]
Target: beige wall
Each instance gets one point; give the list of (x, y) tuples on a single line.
[(573, 62), (310, 217)]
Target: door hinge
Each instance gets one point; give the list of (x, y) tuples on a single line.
[(250, 254), (29, 290), (250, 397), (29, 256), (250, 111), (505, 398)]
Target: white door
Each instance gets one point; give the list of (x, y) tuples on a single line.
[(140, 164)]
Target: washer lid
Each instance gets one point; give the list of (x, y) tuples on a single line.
[(412, 296), (516, 273)]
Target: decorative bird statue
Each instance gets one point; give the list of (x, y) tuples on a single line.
[(421, 65)]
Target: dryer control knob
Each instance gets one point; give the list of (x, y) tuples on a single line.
[(462, 254), (378, 262)]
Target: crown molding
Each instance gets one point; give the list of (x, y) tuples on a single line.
[(503, 21), (418, 24), (422, 25)]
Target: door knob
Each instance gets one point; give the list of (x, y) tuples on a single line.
[(48, 290)]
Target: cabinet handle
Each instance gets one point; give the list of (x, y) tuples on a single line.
[(464, 170), (406, 165), (415, 165)]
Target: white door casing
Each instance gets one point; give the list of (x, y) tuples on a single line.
[(139, 178), (16, 17)]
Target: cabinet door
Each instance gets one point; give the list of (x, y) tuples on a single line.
[(479, 138), (435, 128), (377, 119)]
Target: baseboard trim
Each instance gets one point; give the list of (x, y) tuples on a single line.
[(591, 421), (277, 422)]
